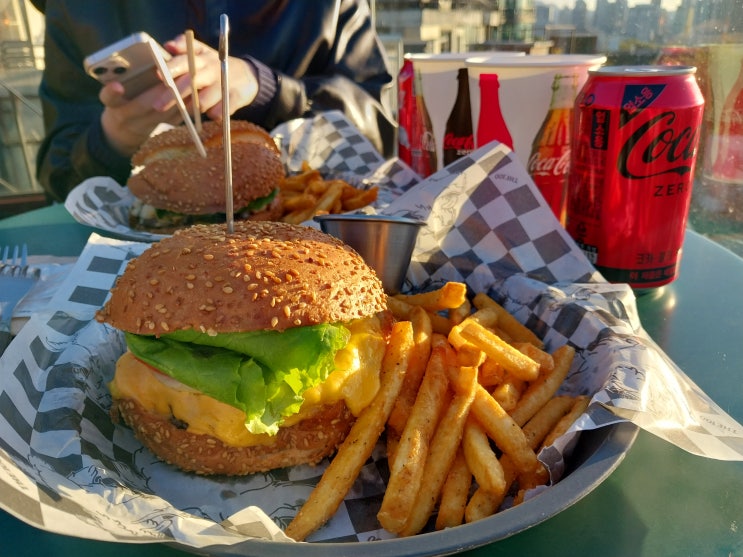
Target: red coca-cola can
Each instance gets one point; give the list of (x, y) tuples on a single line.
[(634, 146)]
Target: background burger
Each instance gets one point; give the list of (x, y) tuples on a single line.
[(175, 186), (247, 351)]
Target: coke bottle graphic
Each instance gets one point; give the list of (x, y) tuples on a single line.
[(490, 123), (728, 165), (458, 138), (549, 161), (405, 110), (422, 143)]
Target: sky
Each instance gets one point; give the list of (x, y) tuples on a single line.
[(670, 5)]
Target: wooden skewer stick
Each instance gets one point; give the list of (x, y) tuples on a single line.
[(196, 104)]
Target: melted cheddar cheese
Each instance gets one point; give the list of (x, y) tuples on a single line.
[(354, 380)]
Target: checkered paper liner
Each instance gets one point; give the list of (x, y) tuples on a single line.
[(65, 467)]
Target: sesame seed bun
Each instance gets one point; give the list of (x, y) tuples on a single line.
[(266, 275), (170, 174), (263, 276)]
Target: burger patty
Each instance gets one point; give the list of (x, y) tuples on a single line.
[(306, 442)]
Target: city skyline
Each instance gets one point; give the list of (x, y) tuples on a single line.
[(670, 5)]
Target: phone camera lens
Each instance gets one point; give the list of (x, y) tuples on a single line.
[(118, 70), (100, 70)]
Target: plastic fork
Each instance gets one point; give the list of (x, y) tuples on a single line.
[(17, 258), (16, 279)]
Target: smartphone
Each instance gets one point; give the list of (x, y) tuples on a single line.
[(129, 61)]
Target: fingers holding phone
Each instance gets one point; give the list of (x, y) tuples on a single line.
[(243, 82), (134, 95), (127, 124)]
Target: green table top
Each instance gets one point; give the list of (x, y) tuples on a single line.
[(660, 501)]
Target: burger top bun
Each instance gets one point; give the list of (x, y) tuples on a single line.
[(173, 176), (265, 275)]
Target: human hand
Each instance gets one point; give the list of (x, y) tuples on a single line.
[(128, 123), (208, 77)]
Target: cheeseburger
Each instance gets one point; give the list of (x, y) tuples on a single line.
[(247, 351), (174, 185)]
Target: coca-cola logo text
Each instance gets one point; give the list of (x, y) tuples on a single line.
[(459, 143), (545, 166), (657, 147)]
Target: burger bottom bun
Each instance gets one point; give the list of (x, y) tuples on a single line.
[(306, 442)]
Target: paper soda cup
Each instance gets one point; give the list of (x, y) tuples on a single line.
[(439, 83), (525, 90)]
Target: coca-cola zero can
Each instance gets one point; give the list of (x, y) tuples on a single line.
[(636, 131)]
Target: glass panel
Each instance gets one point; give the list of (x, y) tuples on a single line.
[(21, 124), (707, 34)]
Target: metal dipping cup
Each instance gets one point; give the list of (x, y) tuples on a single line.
[(385, 242)]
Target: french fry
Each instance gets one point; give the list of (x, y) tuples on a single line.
[(579, 406), (317, 187), (469, 355), (307, 194), (299, 182), (361, 199), (402, 310), (343, 470), (392, 440), (451, 295), (482, 503), (512, 360), (298, 202), (504, 336), (440, 323), (406, 470), (485, 317), (545, 419), (443, 448), (454, 494), (502, 429), (544, 359), (535, 431), (458, 314), (299, 216), (422, 343), (329, 197), (509, 391), (491, 373), (541, 390), (507, 322), (481, 460)]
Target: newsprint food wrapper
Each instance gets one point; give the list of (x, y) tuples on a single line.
[(65, 467)]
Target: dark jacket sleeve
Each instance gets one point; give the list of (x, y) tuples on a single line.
[(348, 72), (74, 147)]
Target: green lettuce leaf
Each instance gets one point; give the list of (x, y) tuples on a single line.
[(261, 203), (262, 373)]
